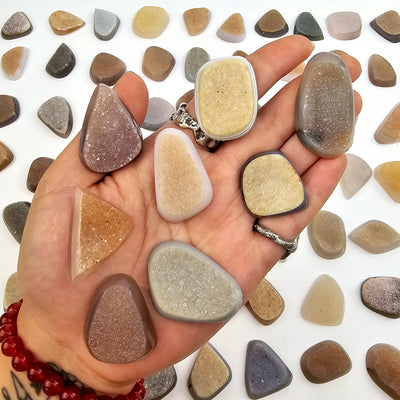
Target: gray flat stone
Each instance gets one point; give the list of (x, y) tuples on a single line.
[(56, 114), (194, 60), (16, 26), (106, 24), (355, 176), (307, 26), (160, 384), (62, 62), (158, 113), (14, 216), (36, 171), (344, 25)]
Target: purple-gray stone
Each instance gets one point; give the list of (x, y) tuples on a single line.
[(158, 114), (16, 26), (160, 384), (106, 24), (196, 57), (14, 216)]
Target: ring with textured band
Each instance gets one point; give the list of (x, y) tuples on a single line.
[(290, 246)]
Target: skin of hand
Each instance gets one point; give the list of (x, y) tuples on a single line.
[(52, 318)]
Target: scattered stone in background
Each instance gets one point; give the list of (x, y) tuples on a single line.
[(325, 116), (150, 22), (14, 216), (327, 235), (106, 24), (9, 109), (196, 20), (381, 294), (63, 22), (13, 62), (62, 62), (12, 293), (240, 53), (158, 113), (265, 303), (324, 302), (388, 176), (185, 98), (56, 114), (106, 68), (160, 384), (16, 26), (294, 73), (6, 156), (36, 171), (265, 372), (195, 58), (383, 366), (388, 25), (355, 176), (157, 63), (272, 25), (344, 25), (210, 374), (177, 270), (376, 237), (325, 361), (389, 130), (340, 52), (380, 71), (233, 29), (307, 26)]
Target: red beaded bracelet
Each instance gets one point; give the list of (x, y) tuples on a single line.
[(41, 373)]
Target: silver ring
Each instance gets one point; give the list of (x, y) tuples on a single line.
[(289, 245), (182, 118)]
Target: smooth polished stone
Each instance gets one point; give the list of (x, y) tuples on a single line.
[(355, 176), (383, 366), (307, 26), (265, 372), (56, 114), (157, 63), (106, 68), (16, 26), (37, 169), (118, 326), (158, 113), (14, 216), (344, 25), (388, 25), (226, 98), (295, 72), (388, 176), (271, 185), (6, 156), (376, 237), (185, 98), (62, 62), (196, 20), (389, 130), (240, 53), (233, 29), (265, 303), (187, 285), (271, 25), (325, 116), (105, 24), (9, 109), (63, 22), (327, 235), (110, 137), (210, 374), (324, 302), (159, 384), (98, 230), (13, 62), (183, 188), (12, 294), (150, 22), (195, 58), (325, 361), (381, 294), (380, 71)]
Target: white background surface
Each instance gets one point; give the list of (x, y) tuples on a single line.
[(290, 335)]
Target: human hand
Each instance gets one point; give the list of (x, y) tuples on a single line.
[(52, 318)]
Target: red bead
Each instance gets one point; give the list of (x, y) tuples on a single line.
[(7, 330), (9, 317), (120, 397), (37, 371), (70, 392), (52, 384), (89, 396), (134, 396), (105, 397), (22, 360), (14, 307), (139, 389), (11, 345)]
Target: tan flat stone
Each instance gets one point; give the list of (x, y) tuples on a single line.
[(196, 20), (6, 156), (13, 62), (106, 68), (380, 71), (63, 22), (388, 25), (233, 29), (388, 176), (157, 63), (150, 22), (12, 293), (389, 130)]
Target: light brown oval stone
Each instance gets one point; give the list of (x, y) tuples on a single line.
[(37, 169), (150, 22), (106, 68), (271, 25), (265, 303), (388, 176), (6, 156), (324, 302), (389, 130), (325, 361), (13, 62), (380, 71), (327, 235), (388, 25), (9, 109), (157, 63), (383, 366), (355, 176), (12, 294), (233, 29), (375, 237), (196, 20), (63, 22)]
